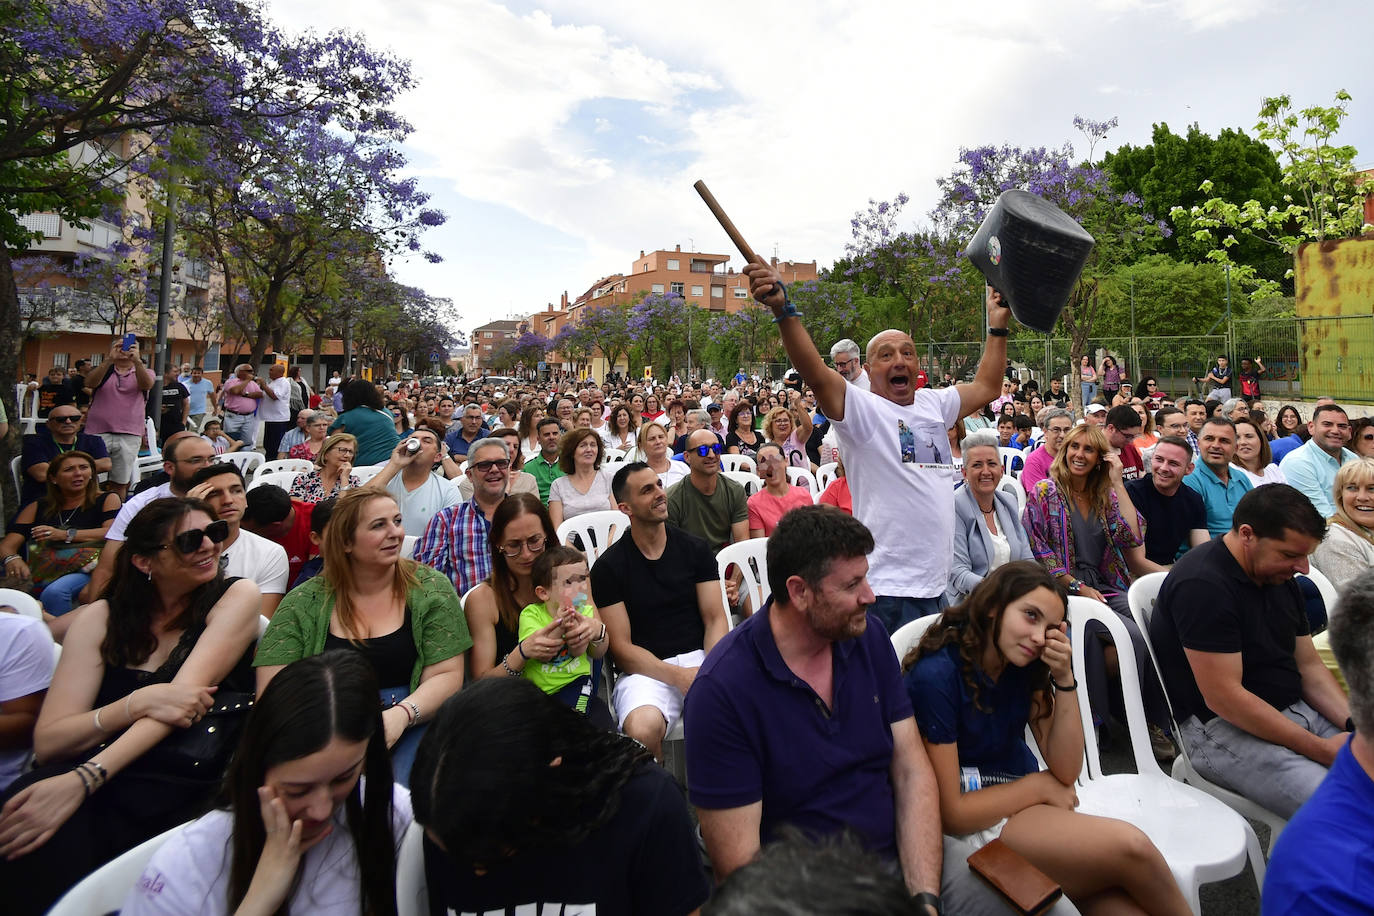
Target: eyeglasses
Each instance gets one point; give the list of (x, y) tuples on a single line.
[(65, 418), (534, 544), (713, 449), (482, 467), (189, 542)]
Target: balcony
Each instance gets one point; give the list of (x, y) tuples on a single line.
[(63, 308)]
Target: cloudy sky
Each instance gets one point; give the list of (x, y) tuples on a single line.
[(561, 136)]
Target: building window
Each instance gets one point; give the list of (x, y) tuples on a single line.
[(646, 267), (97, 358), (674, 264), (488, 334), (658, 288), (740, 292), (698, 290), (676, 287), (61, 359), (717, 292)]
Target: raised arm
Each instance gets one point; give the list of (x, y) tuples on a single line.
[(767, 287), (987, 383)]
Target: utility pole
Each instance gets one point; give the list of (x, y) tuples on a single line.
[(164, 305)]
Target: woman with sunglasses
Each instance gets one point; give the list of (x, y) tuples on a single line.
[(778, 496), (1362, 437), (520, 531), (1148, 391), (400, 615), (582, 488), (316, 431), (64, 531), (138, 667), (333, 471)]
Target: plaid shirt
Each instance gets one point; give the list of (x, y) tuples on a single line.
[(455, 543)]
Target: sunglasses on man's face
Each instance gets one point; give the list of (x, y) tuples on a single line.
[(188, 542), (65, 418), (482, 467), (713, 449)]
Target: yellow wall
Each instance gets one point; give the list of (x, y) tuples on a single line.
[(1334, 285)]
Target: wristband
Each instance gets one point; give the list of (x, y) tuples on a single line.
[(1349, 723), (520, 646), (926, 898), (998, 332), (602, 638), (98, 727), (412, 711), (788, 309), (1068, 689)]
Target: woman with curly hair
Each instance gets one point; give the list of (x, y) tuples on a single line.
[(982, 672), (526, 804)]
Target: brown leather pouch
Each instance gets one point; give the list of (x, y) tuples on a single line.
[(1027, 888)]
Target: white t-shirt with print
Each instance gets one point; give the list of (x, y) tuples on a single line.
[(190, 874), (901, 476), (26, 666), (254, 557)]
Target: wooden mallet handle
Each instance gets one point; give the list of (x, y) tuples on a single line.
[(726, 224)]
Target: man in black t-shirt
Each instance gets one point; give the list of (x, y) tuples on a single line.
[(657, 591), (56, 391), (1175, 518), (176, 405), (1257, 709)]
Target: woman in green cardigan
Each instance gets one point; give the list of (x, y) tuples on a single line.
[(404, 618)]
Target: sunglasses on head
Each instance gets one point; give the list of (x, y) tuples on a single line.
[(713, 449), (188, 542)]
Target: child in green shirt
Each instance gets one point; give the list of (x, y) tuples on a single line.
[(560, 583)]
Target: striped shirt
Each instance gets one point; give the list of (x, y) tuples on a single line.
[(455, 543)]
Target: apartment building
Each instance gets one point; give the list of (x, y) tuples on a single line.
[(488, 337)]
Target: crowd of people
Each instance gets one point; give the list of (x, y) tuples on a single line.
[(303, 671)]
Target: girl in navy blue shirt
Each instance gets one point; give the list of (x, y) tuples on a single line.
[(978, 676)]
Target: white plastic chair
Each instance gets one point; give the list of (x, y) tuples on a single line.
[(296, 465), (738, 463), (28, 419), (104, 890), (283, 479), (408, 546), (1201, 838), (751, 482), (827, 474), (595, 531), (248, 462), (751, 557), (16, 468), (412, 890), (367, 472), (1328, 591), (910, 633), (613, 456), (1013, 486), (23, 602), (1009, 457), (1141, 598), (802, 477)]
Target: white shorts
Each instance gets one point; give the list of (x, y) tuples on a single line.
[(123, 449), (635, 690)]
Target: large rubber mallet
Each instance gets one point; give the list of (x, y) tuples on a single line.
[(726, 224)]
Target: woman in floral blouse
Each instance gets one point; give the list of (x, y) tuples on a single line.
[(333, 471)]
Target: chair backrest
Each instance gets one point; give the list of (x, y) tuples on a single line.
[(910, 633), (1010, 457), (738, 463), (104, 890), (751, 482), (408, 546), (826, 474), (23, 602), (367, 472), (1328, 591), (802, 477), (1081, 611), (262, 624), (16, 468), (296, 465), (595, 531), (412, 890), (247, 462), (751, 557), (613, 456), (1013, 486), (283, 479)]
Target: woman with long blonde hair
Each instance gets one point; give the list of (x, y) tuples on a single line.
[(1348, 549), (403, 617)]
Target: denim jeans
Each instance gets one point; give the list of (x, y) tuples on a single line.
[(59, 595), (1089, 392), (243, 427), (895, 610), (403, 752)]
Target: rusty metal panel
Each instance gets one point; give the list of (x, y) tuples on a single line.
[(1334, 284), (1335, 278)]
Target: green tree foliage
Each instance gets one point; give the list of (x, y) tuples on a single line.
[(1169, 173)]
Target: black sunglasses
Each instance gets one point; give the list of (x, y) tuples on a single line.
[(482, 467), (67, 419), (188, 542), (704, 450)]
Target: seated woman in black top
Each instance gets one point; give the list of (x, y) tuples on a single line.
[(526, 804), (138, 666)]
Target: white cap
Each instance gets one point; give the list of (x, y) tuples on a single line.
[(1095, 408)]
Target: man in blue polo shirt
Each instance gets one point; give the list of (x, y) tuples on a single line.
[(798, 717), (1324, 862), (1215, 479)]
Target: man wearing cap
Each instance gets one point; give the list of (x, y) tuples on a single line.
[(896, 448), (717, 415), (1095, 414)]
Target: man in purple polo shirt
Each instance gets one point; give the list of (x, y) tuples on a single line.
[(798, 717)]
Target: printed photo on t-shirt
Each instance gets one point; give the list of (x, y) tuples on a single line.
[(926, 444)]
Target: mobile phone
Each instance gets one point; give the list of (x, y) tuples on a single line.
[(129, 340)]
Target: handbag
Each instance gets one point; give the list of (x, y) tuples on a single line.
[(203, 749), (49, 562), (1026, 887)]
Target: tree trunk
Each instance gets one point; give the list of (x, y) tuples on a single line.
[(267, 322), (10, 372), (318, 344)]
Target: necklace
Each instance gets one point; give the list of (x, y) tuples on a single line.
[(65, 521)]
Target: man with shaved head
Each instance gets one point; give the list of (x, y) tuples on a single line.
[(896, 450)]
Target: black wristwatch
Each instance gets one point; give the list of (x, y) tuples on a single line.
[(926, 898)]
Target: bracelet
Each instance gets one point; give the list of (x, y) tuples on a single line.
[(602, 638), (98, 727), (13, 556), (506, 664), (128, 713), (521, 646), (413, 711), (104, 773), (1071, 687), (926, 898), (788, 309), (998, 332), (85, 780)]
